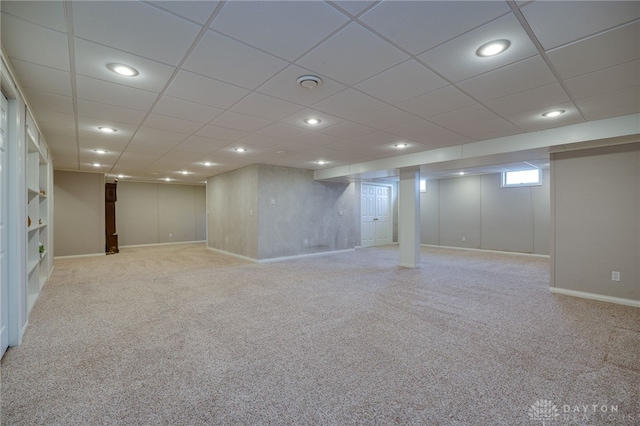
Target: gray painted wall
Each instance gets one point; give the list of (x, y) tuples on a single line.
[(79, 226), (232, 212), (303, 218), (596, 220), (150, 213), (298, 215), (487, 216)]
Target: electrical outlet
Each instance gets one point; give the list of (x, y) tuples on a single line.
[(615, 276)]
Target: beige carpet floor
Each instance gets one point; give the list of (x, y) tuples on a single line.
[(179, 335)]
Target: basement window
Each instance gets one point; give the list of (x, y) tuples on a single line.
[(521, 178)]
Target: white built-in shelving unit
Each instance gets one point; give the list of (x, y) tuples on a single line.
[(29, 182), (38, 214)]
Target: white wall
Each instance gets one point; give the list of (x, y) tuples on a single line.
[(487, 216)]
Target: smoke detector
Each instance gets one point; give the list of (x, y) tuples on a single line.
[(309, 81)]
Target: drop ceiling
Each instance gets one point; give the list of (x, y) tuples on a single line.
[(216, 76)]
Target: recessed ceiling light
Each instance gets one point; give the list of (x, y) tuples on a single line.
[(122, 69), (168, 179), (401, 145), (493, 48), (551, 114), (309, 81), (312, 121), (99, 151), (183, 172), (107, 129), (461, 173), (207, 163), (322, 162), (96, 164), (121, 176), (240, 150)]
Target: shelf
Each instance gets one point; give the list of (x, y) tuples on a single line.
[(31, 266)]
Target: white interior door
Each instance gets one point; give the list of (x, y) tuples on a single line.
[(4, 282), (375, 211), (368, 213), (382, 220)]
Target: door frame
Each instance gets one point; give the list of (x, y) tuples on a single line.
[(389, 209)]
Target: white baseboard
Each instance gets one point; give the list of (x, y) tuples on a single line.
[(594, 296), (227, 253), (303, 256), (517, 253), (75, 256), (163, 244)]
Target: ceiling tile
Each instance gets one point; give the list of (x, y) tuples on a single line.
[(135, 27), (436, 102), (150, 137), (533, 120), (456, 60), (347, 129), (560, 22), (179, 108), (261, 140), (415, 129), (197, 11), (443, 139), (48, 14), (529, 100), (353, 44), (353, 7), (91, 60), (208, 143), (492, 128), (42, 78), (173, 124), (196, 88), (514, 78), (35, 44), (385, 118), (234, 120), (319, 139), (283, 131), (109, 112), (88, 128), (420, 25), (404, 81), (217, 132), (44, 100), (349, 104), (105, 92), (266, 107), (55, 117), (610, 100), (613, 112), (297, 119), (467, 115), (284, 86), (596, 53), (605, 80), (378, 137), (234, 63), (283, 28)]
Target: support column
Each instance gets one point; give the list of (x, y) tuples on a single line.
[(409, 217)]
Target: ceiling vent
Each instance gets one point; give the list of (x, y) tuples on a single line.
[(309, 81)]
